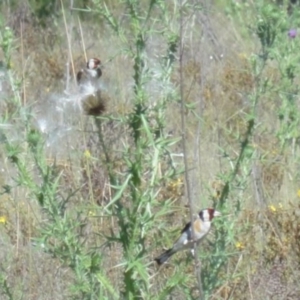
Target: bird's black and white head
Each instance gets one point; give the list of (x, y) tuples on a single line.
[(88, 78), (93, 63), (206, 215), (93, 67)]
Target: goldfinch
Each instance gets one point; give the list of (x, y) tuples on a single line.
[(87, 78), (201, 226)]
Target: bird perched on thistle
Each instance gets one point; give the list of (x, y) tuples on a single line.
[(201, 226), (93, 99)]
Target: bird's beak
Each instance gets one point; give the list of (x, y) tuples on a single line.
[(217, 213)]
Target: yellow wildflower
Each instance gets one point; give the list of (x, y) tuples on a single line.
[(298, 193), (92, 213), (87, 154), (3, 219), (272, 208), (239, 246)]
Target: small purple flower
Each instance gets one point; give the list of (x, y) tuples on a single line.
[(292, 33)]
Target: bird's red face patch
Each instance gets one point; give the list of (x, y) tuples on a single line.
[(211, 212)]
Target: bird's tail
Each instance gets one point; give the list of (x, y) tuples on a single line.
[(164, 256)]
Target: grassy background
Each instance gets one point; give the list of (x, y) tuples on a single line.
[(86, 202)]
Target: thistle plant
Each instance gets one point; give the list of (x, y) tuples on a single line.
[(134, 203)]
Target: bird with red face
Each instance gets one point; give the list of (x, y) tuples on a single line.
[(88, 78), (93, 98), (201, 226)]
